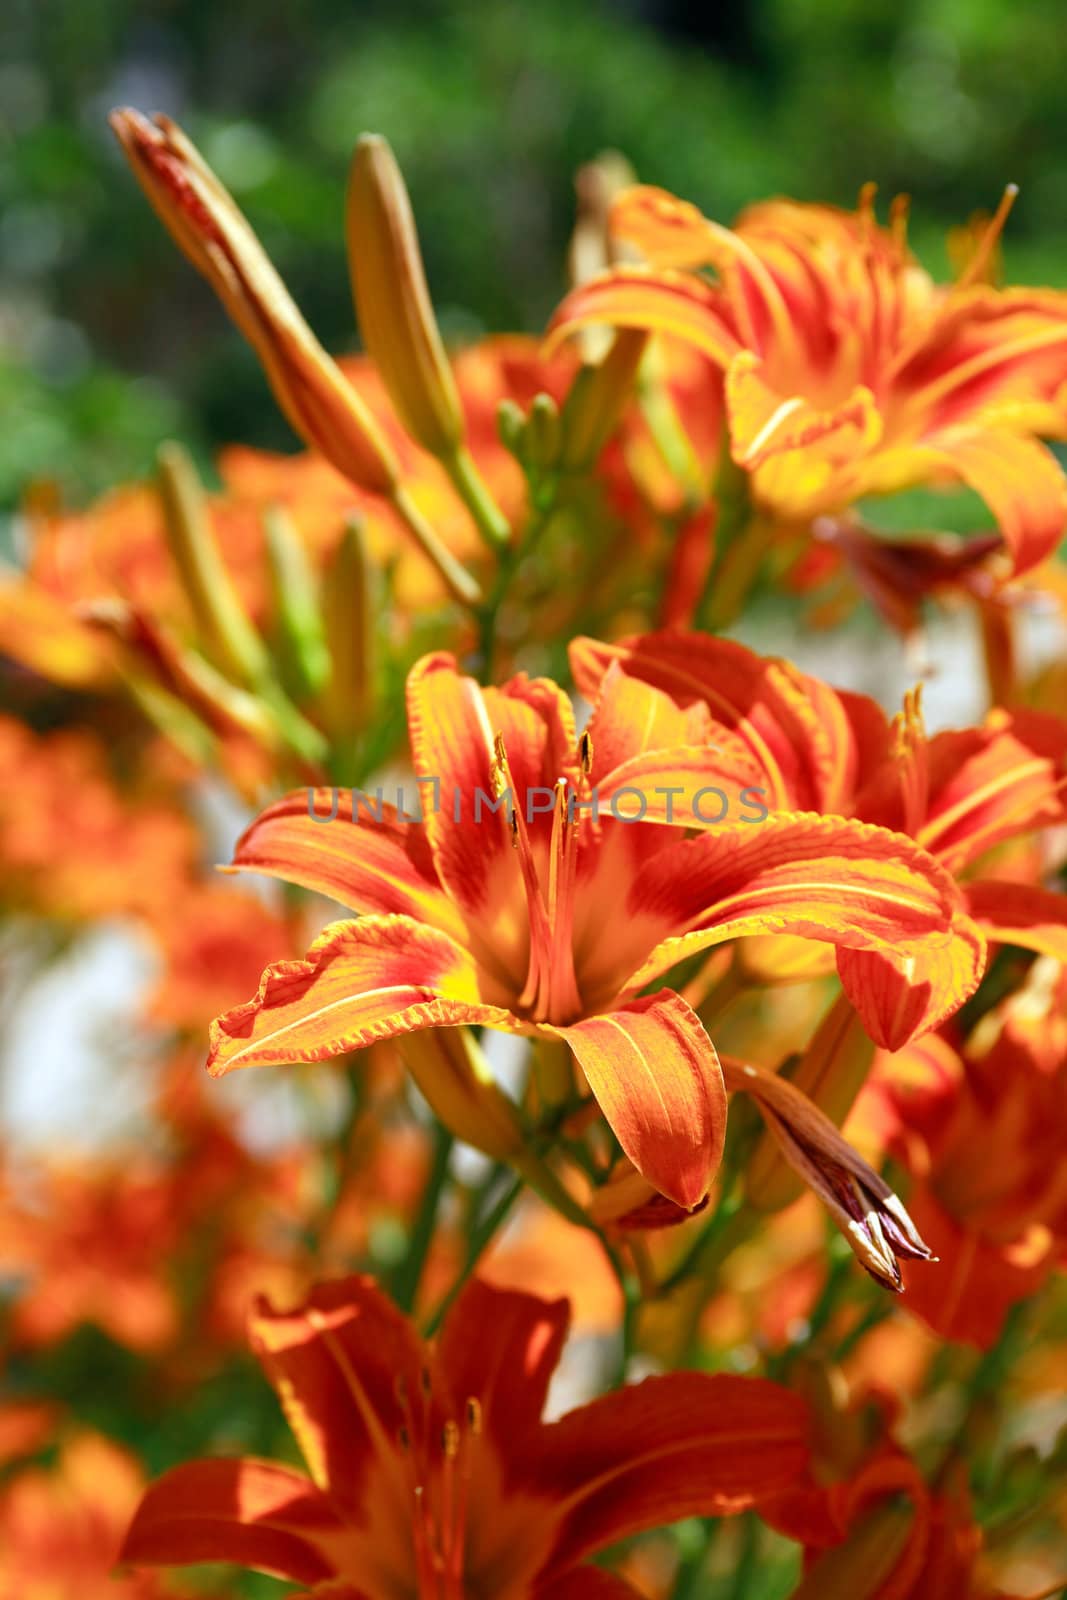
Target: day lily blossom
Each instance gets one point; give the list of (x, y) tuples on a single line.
[(847, 371), (431, 1473), (809, 746), (526, 901)]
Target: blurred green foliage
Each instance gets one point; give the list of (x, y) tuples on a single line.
[(110, 341)]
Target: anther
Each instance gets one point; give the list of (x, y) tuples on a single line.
[(585, 753), (979, 262), (474, 1416)]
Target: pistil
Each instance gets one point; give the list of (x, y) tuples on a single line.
[(551, 988), (439, 1477)]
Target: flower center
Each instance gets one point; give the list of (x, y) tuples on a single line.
[(438, 1465), (550, 992)]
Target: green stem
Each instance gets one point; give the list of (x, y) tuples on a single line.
[(747, 1560), (406, 1282), (874, 1316), (509, 559), (704, 1243), (690, 1572), (487, 516), (480, 1240)]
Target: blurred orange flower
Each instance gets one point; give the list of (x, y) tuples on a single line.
[(62, 1528), (847, 371), (981, 1133), (432, 1473)]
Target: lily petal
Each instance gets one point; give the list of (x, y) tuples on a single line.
[(659, 302), (335, 1362), (454, 724), (1019, 480), (360, 981), (488, 1337), (808, 740), (827, 878), (903, 993), (765, 423), (251, 1513), (315, 838), (1022, 914), (657, 1079), (677, 1446)]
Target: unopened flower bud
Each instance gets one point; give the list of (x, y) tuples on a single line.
[(597, 399), (831, 1073), (318, 400), (871, 1217), (224, 629), (349, 603), (396, 316), (304, 660)]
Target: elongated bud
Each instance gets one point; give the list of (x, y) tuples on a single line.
[(399, 328), (543, 432), (153, 657), (303, 653), (869, 1214), (596, 185), (511, 427), (318, 400), (322, 406), (396, 317), (224, 629), (349, 604), (597, 399), (592, 248), (831, 1072), (455, 1079)]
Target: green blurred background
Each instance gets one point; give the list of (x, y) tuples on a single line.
[(110, 341)]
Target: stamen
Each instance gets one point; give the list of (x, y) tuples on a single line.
[(551, 988), (865, 204), (563, 998), (585, 753), (457, 1536), (899, 211), (909, 749), (987, 243)]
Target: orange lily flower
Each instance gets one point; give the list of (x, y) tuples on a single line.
[(62, 1527), (72, 846), (958, 794), (998, 1225), (540, 918), (872, 1527), (431, 1473), (847, 371)]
